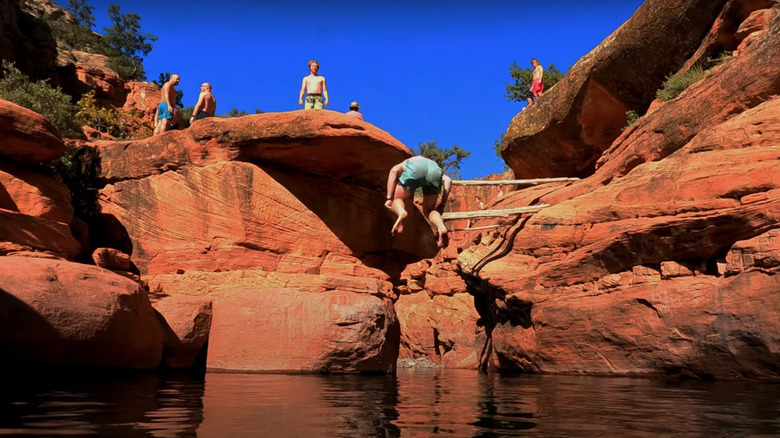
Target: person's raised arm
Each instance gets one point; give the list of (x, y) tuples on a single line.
[(303, 89), (325, 91), (199, 106)]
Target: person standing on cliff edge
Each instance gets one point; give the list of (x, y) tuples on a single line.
[(314, 87), (537, 84), (404, 178), (166, 109)]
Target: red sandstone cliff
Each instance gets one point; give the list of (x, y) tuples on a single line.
[(665, 259)]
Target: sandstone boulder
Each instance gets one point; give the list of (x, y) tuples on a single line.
[(34, 194), (323, 143), (57, 313), (566, 130), (20, 232), (27, 136), (186, 322), (258, 329), (445, 330)]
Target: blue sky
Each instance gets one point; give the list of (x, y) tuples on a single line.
[(421, 70)]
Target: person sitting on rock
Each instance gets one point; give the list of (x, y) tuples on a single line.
[(404, 178), (314, 87), (165, 110), (537, 84), (354, 110), (207, 104)]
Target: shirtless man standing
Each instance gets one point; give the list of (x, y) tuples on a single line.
[(405, 178), (314, 87), (537, 86), (207, 104), (166, 109)]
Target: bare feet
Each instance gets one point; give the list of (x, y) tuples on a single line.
[(398, 227)]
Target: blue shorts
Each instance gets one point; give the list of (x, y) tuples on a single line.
[(162, 111), (422, 172)]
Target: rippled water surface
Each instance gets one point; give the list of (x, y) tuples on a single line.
[(415, 403)]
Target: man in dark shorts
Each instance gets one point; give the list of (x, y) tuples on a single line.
[(207, 104), (405, 178)]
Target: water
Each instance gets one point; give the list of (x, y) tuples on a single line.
[(416, 403)]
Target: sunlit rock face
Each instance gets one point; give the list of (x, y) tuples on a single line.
[(663, 261), (268, 212), (565, 131)]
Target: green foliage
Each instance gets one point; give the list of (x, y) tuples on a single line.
[(448, 159), (521, 89), (631, 118), (126, 44), (78, 35), (186, 113), (79, 170), (82, 12), (162, 79), (40, 97), (676, 84), (236, 113), (106, 120), (497, 149), (722, 58)]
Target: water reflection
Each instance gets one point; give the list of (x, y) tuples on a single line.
[(95, 405), (416, 403)]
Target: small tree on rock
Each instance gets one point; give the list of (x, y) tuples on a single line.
[(448, 159), (126, 44)]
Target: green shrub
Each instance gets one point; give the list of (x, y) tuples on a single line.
[(40, 97), (722, 58), (76, 37), (106, 120), (631, 118), (676, 84)]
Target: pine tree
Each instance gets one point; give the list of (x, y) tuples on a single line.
[(448, 159), (126, 44)]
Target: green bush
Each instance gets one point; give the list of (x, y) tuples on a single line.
[(106, 120), (76, 37), (631, 118), (40, 97), (676, 84)]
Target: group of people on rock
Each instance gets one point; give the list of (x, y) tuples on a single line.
[(402, 181), (168, 116)]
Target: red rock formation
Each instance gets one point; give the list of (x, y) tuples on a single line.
[(567, 129), (268, 212), (726, 91), (31, 193), (667, 269), (27, 42), (186, 322), (290, 330), (27, 136), (73, 314)]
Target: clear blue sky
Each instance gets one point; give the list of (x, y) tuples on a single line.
[(421, 70)]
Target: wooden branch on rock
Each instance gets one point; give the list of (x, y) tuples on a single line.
[(455, 215), (472, 182)]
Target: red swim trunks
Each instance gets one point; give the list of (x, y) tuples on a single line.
[(537, 87)]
